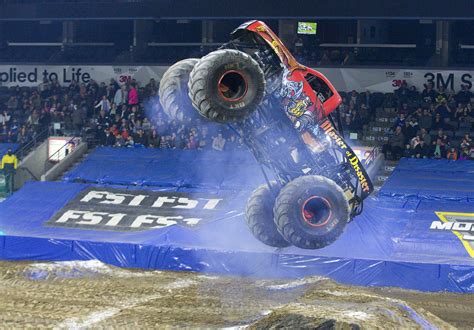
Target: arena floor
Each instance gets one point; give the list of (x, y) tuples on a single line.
[(91, 294)]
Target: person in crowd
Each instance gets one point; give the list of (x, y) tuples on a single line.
[(407, 152), (421, 150), (400, 120), (218, 143), (464, 154), (452, 154), (428, 94), (443, 137), (423, 134), (464, 95), (120, 97), (133, 95), (130, 143), (438, 122), (154, 139), (141, 138), (397, 142), (438, 149), (103, 105), (426, 120)]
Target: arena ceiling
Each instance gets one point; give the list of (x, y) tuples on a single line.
[(231, 9)]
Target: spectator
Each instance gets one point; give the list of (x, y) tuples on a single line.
[(464, 95), (464, 154), (218, 143), (192, 142), (443, 137), (120, 97), (439, 149), (4, 118), (438, 122), (407, 152), (164, 142), (400, 120), (426, 120), (12, 103), (133, 95), (421, 150), (104, 105), (423, 134), (396, 144), (108, 138), (452, 154), (428, 94), (130, 143), (154, 139), (141, 138)]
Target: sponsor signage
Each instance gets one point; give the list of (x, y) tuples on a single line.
[(100, 208), (33, 75), (344, 79), (460, 224)]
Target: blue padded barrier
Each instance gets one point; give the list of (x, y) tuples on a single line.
[(390, 244), (168, 168), (431, 179)]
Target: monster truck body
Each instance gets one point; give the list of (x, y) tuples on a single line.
[(282, 111)]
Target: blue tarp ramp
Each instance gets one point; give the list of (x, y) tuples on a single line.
[(417, 241)]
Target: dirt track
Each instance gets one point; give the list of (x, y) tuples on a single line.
[(91, 294)]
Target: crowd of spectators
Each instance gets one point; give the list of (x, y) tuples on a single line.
[(119, 116), (429, 123), (432, 124)]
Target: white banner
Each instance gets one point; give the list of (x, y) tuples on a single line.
[(345, 79), (33, 75), (388, 80)]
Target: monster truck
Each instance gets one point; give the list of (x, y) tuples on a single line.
[(315, 184)]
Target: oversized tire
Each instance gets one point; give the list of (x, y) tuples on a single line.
[(311, 212), (173, 90), (259, 217), (226, 85)]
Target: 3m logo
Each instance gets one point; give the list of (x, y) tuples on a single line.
[(460, 224)]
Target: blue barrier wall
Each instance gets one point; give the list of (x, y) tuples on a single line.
[(168, 168), (431, 179)]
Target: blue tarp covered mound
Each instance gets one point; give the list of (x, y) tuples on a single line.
[(431, 179), (391, 244), (168, 168)]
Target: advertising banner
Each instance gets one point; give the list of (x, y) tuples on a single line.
[(344, 79), (103, 208)]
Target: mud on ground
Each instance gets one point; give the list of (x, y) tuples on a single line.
[(89, 294)]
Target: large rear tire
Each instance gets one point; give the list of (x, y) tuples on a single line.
[(311, 212), (173, 90), (259, 216), (226, 85)]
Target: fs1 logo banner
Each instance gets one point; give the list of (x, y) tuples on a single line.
[(98, 208)]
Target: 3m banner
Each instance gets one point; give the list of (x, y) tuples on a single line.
[(100, 208), (344, 79), (388, 80)]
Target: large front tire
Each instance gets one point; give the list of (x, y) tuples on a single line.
[(311, 212), (259, 217), (173, 90), (226, 85)]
